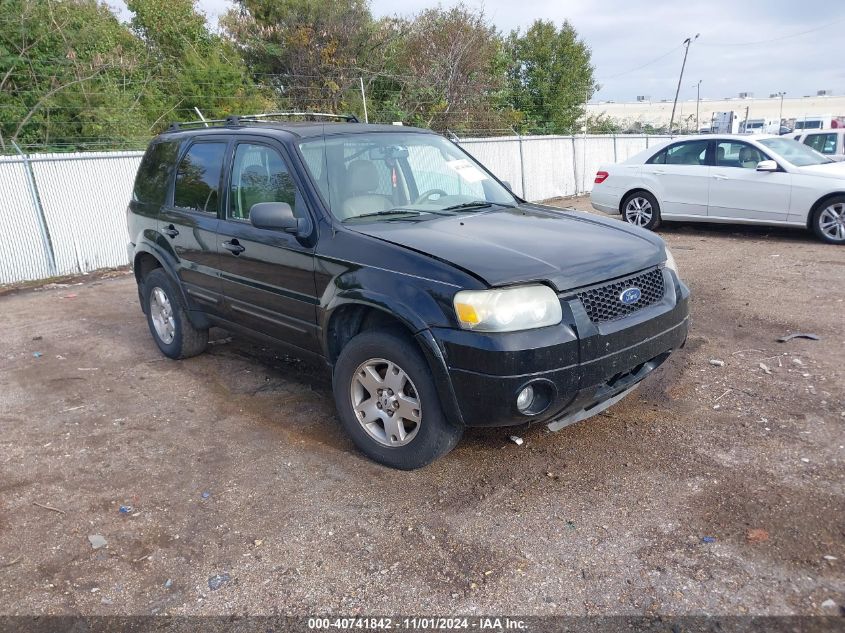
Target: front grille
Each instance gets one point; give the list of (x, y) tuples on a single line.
[(602, 303)]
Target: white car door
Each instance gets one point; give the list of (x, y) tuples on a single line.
[(678, 175), (739, 191)]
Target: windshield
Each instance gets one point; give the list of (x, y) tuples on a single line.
[(796, 153), (398, 176)]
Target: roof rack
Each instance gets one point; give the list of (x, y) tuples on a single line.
[(238, 119)]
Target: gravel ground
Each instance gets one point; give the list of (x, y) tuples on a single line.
[(712, 489)]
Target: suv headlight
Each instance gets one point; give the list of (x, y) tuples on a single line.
[(670, 261), (507, 309)]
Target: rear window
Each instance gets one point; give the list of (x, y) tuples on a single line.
[(154, 173)]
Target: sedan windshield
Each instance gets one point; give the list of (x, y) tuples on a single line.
[(401, 176), (794, 152)]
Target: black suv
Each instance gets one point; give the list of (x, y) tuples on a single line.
[(439, 299)]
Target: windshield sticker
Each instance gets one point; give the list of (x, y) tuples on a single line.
[(466, 170)]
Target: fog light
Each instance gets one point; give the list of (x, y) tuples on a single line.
[(525, 399)]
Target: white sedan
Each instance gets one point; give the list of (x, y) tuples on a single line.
[(734, 179)]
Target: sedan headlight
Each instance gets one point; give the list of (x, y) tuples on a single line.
[(670, 261), (507, 309)]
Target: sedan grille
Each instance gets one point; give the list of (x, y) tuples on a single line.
[(604, 303)]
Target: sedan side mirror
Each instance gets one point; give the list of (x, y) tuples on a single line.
[(507, 185), (275, 216), (767, 165)]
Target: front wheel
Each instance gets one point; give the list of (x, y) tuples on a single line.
[(641, 209), (829, 221), (388, 403)]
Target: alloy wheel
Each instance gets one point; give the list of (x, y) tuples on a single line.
[(638, 211), (161, 312), (386, 402), (832, 222)]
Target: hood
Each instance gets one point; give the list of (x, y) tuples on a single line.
[(827, 170), (569, 249)]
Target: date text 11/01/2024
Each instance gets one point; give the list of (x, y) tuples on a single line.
[(430, 624)]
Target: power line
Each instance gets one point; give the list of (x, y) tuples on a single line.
[(776, 39)]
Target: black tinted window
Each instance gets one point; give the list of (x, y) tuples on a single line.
[(154, 173), (198, 177)]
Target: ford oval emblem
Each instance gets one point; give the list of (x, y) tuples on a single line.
[(630, 296)]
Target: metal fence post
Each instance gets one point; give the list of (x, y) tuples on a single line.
[(575, 165), (521, 164), (39, 210), (615, 159)]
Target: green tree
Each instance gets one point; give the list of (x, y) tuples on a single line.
[(67, 71), (310, 52), (551, 77), (190, 67), (450, 67)]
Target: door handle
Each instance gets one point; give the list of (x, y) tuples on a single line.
[(234, 247), (720, 177), (659, 172), (170, 231)]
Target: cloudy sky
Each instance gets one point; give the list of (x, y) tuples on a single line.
[(759, 46)]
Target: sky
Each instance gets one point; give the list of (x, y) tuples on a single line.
[(757, 46)]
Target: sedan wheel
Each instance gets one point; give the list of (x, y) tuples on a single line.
[(831, 222), (641, 209)]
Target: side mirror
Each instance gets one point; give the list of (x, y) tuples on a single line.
[(767, 165), (507, 185), (275, 216)]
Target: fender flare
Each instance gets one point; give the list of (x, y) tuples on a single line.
[(197, 317), (417, 328)]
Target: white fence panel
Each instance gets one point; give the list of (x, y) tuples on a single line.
[(549, 167), (501, 156), (23, 252), (84, 197)]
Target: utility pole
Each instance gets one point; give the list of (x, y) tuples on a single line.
[(780, 114), (697, 102), (687, 42), (364, 99)]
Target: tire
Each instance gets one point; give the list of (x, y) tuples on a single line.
[(367, 360), (180, 339), (644, 211), (829, 220)]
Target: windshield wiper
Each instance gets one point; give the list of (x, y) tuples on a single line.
[(378, 213), (475, 204)]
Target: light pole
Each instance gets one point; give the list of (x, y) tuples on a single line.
[(697, 102), (780, 114), (687, 42)]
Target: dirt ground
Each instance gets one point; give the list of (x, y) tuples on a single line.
[(712, 489)]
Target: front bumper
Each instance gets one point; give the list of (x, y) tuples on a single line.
[(579, 362)]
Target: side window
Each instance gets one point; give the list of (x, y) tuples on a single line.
[(737, 154), (824, 143), (690, 153), (154, 173), (198, 178), (259, 174)]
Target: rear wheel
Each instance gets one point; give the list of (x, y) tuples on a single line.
[(168, 320), (387, 401), (829, 221), (641, 209)]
